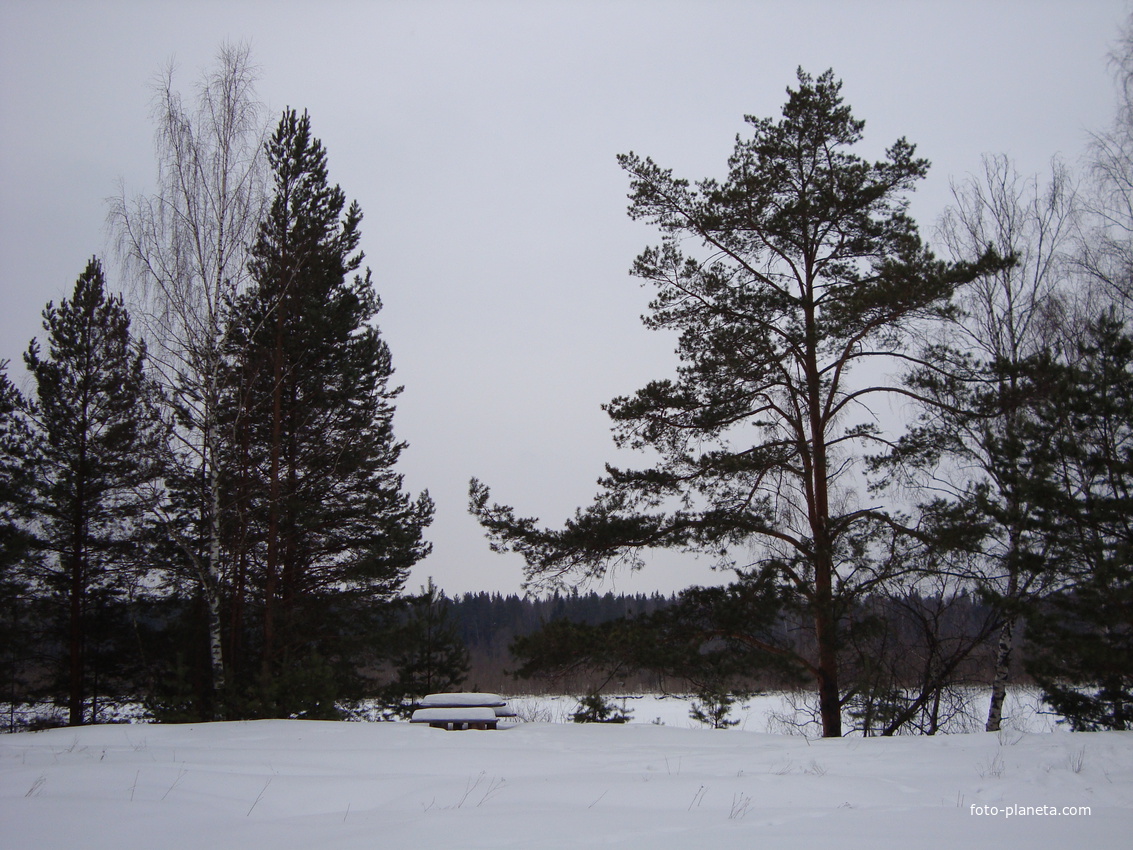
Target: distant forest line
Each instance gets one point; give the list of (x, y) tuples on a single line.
[(488, 624)]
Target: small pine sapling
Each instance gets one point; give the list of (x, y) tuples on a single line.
[(713, 707), (592, 708)]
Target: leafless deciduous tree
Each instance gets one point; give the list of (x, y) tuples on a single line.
[(186, 249), (1007, 319), (1106, 246)]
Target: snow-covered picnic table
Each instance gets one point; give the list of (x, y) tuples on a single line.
[(462, 711)]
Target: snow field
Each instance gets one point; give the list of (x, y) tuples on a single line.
[(303, 784)]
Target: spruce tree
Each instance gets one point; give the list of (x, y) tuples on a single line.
[(320, 524), (95, 412)]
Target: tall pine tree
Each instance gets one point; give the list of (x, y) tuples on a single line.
[(796, 270), (322, 525), (17, 449), (95, 410)]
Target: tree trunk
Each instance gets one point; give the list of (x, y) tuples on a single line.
[(239, 551), (213, 580), (1002, 672), (829, 697), (1006, 642), (818, 500), (75, 696), (274, 489), (78, 581)]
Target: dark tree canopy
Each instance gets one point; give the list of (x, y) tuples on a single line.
[(1082, 638), (95, 411), (319, 516), (782, 279), (17, 458)]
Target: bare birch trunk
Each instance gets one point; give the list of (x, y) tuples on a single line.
[(1002, 673), (212, 594)]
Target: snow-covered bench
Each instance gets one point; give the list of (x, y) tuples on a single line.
[(474, 717), (462, 711)]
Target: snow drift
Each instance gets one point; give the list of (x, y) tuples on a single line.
[(303, 784)]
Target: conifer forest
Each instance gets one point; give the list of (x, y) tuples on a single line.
[(203, 508)]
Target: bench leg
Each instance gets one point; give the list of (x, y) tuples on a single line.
[(454, 726)]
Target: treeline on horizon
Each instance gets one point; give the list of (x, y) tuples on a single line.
[(502, 636), (200, 506)]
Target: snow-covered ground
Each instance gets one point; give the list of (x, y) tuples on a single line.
[(791, 714), (302, 784)]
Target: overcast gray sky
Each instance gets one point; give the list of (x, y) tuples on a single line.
[(480, 140)]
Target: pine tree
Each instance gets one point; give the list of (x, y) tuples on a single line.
[(95, 411), (1081, 649), (797, 270), (321, 525), (430, 658), (713, 707), (18, 457), (1082, 639)]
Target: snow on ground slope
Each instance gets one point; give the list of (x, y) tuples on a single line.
[(302, 784), (788, 713)]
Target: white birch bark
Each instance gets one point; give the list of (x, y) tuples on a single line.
[(185, 248)]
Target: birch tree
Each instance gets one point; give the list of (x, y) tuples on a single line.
[(186, 248), (1106, 246), (968, 448)]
